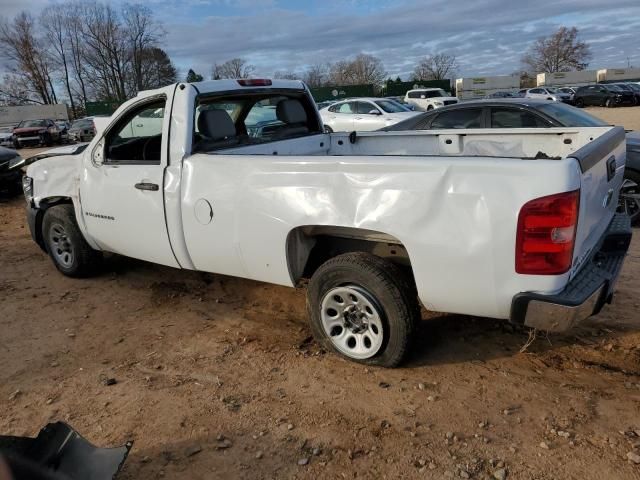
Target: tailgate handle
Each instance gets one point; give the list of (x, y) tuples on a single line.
[(611, 168)]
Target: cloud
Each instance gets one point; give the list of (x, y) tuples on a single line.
[(487, 36)]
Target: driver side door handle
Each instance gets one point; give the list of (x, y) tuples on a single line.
[(153, 187)]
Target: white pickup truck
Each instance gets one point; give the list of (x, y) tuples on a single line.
[(515, 224)]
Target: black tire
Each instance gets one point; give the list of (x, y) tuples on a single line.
[(609, 103), (328, 129), (630, 206), (579, 103), (61, 236), (429, 108), (386, 286)]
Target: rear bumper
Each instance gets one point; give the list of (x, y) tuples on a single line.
[(586, 293)]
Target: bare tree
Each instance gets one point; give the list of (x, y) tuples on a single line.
[(316, 75), (436, 67), (363, 69), (367, 69), (141, 32), (234, 68), (560, 52), (53, 23), (28, 57), (286, 75)]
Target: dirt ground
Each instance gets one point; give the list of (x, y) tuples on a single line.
[(217, 377), (628, 117)]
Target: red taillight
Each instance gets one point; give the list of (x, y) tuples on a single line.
[(546, 234), (255, 82)]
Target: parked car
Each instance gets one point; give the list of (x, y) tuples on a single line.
[(501, 95), (522, 222), (548, 93), (82, 130), (532, 113), (632, 88), (426, 99), (35, 132), (63, 126), (571, 91), (11, 164), (363, 114), (6, 137), (325, 104), (602, 95)]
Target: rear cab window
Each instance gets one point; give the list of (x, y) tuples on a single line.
[(226, 121)]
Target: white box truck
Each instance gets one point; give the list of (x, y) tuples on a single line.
[(577, 78)]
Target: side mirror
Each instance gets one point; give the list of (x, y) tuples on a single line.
[(374, 112), (97, 156)]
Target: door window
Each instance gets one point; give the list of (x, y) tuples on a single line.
[(347, 107), (137, 137), (468, 118), (514, 118), (364, 108)]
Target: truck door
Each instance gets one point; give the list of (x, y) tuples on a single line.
[(122, 186)]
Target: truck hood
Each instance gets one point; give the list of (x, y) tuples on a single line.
[(76, 149), (28, 130)]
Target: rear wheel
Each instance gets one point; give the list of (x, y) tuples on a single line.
[(363, 308), (629, 200), (70, 252)]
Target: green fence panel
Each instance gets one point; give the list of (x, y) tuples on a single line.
[(398, 89), (101, 108), (321, 94)]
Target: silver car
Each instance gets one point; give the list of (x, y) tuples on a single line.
[(548, 93)]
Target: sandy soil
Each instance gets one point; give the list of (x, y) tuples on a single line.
[(218, 377), (628, 117)]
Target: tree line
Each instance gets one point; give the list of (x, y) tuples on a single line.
[(101, 52), (84, 52)]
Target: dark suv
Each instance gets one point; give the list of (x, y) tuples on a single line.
[(603, 95)]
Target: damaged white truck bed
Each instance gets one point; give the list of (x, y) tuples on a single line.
[(239, 178)]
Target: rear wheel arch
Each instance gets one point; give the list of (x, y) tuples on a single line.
[(308, 247)]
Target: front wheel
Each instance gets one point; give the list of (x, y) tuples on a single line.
[(579, 103), (70, 252), (429, 108), (328, 129), (364, 308), (609, 103)]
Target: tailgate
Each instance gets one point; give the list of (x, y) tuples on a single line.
[(602, 163)]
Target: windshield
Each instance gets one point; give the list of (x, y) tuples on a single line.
[(634, 87), (82, 124), (552, 90), (5, 129), (613, 88), (32, 123), (570, 116), (626, 88), (391, 106)]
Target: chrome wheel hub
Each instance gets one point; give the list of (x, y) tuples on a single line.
[(353, 321), (60, 246)]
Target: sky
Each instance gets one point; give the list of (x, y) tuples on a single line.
[(488, 37)]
